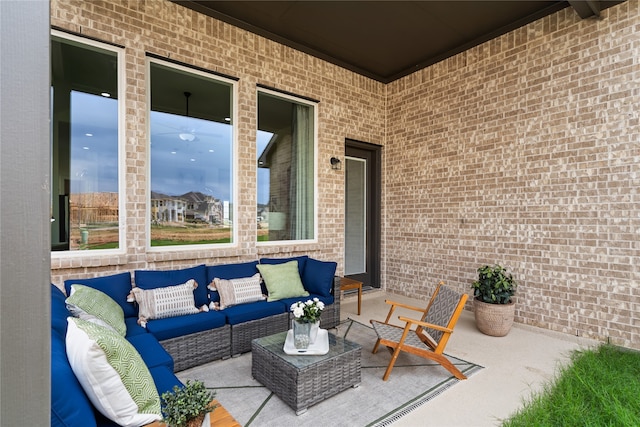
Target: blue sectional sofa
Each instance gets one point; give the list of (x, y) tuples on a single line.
[(171, 344), (70, 405)]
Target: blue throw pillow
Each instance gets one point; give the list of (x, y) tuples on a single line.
[(116, 286), (152, 279), (317, 277)]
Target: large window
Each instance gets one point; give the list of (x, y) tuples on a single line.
[(85, 203), (286, 167), (191, 124)]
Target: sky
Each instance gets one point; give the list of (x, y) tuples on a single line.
[(178, 165)]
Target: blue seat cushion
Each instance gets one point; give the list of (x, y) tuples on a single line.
[(251, 311), (116, 286), (317, 277), (59, 312), (302, 261), (229, 271), (172, 327), (287, 302), (164, 378), (151, 351), (152, 279), (133, 328), (70, 406)]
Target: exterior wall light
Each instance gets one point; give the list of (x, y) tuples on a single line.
[(336, 164)]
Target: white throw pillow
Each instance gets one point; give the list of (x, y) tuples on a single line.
[(167, 301), (237, 291), (112, 374)]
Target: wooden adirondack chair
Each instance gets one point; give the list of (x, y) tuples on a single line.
[(431, 333)]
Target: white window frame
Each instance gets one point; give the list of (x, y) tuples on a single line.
[(122, 217), (234, 161), (315, 105)]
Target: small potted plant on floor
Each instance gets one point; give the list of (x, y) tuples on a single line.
[(187, 406), (493, 307)]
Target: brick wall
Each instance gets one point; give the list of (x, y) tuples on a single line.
[(351, 106), (525, 151)]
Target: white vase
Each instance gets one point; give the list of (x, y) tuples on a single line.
[(313, 333)]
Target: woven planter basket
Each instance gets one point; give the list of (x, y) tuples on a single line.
[(494, 319)]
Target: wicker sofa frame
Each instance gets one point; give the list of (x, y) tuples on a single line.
[(243, 333), (198, 348)]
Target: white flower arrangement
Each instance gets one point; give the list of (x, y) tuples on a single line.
[(309, 311)]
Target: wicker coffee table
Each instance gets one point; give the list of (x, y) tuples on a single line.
[(302, 381)]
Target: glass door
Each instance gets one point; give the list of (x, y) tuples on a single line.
[(362, 213), (355, 236)]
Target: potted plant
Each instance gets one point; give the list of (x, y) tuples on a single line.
[(493, 307), (187, 406), (306, 321)]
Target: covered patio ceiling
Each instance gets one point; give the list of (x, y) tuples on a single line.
[(386, 40)]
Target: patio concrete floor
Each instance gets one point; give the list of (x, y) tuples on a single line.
[(515, 366)]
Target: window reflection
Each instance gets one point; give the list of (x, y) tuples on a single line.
[(191, 158), (84, 162), (286, 175)]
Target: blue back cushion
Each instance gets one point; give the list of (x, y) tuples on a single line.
[(59, 311), (302, 261), (70, 406), (317, 277), (164, 379), (133, 328), (229, 271), (151, 351), (151, 279), (116, 286)]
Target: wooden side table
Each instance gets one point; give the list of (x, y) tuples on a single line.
[(346, 284), (219, 418)]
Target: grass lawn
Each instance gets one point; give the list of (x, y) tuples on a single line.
[(106, 237), (601, 387)]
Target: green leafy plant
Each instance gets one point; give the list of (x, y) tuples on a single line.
[(494, 285), (183, 405)]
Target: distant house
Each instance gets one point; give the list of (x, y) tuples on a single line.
[(201, 207), (192, 206), (167, 208)]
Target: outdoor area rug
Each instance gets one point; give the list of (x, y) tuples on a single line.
[(413, 382)]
